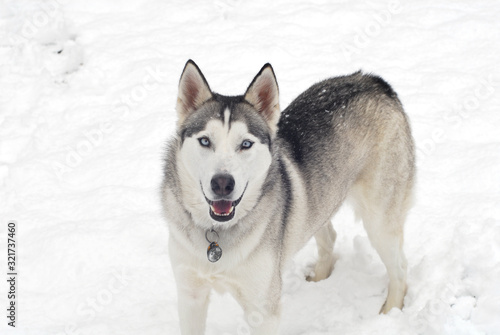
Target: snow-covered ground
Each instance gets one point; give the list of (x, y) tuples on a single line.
[(87, 96)]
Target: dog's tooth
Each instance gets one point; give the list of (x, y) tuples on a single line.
[(221, 214)]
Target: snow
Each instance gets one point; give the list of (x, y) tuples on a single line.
[(88, 90)]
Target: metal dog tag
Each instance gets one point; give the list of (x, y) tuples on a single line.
[(214, 252)]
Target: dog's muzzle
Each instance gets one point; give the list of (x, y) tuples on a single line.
[(223, 210)]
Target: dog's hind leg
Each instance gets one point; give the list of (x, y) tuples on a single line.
[(383, 194), (325, 240), (383, 211), (389, 246)]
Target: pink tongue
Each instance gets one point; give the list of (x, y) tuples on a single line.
[(222, 206)]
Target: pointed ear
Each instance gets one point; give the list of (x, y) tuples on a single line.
[(193, 91), (263, 94)]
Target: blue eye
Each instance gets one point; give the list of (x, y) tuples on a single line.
[(246, 144), (204, 141)]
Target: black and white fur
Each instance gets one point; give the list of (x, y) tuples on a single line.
[(345, 137)]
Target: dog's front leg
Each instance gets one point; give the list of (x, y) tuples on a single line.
[(193, 296), (193, 292), (259, 293)]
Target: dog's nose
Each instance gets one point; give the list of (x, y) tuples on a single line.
[(222, 184)]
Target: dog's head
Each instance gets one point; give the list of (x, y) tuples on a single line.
[(224, 145)]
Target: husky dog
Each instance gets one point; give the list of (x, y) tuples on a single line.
[(246, 186)]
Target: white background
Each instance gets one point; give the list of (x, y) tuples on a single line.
[(87, 96)]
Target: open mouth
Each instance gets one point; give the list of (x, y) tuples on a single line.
[(223, 210)]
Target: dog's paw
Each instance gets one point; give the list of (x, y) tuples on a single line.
[(382, 309), (386, 308), (313, 278), (323, 269), (320, 273)]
